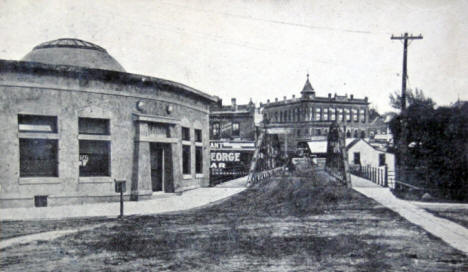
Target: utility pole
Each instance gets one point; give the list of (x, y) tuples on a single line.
[(403, 143), (405, 39)]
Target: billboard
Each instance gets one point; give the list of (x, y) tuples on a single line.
[(229, 161)]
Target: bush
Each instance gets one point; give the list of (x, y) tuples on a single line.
[(437, 158)]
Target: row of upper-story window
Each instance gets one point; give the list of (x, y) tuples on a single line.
[(39, 155), (217, 129), (301, 114), (91, 126), (305, 132)]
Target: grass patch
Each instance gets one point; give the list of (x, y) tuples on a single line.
[(291, 223)]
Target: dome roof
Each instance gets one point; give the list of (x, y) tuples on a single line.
[(73, 52)]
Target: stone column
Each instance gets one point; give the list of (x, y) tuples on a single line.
[(141, 176)]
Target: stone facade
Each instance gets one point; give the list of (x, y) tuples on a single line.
[(145, 118), (309, 117)]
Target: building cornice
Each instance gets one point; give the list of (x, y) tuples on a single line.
[(102, 75)]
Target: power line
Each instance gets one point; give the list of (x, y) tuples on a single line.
[(246, 17)]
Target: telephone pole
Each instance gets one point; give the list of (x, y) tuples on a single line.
[(403, 142), (405, 39)]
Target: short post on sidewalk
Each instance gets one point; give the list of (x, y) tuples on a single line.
[(120, 187)]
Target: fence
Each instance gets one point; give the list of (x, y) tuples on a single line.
[(379, 175), (220, 175), (255, 177)]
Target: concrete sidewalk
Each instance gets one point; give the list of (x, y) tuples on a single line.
[(235, 183), (435, 206), (170, 203), (453, 234)]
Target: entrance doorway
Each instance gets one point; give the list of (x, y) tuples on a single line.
[(161, 167)]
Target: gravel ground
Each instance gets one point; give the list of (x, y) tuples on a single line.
[(295, 223)]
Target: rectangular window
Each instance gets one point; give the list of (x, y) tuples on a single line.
[(317, 114), (235, 129), (38, 158), (40, 201), (325, 114), (93, 126), (215, 130), (355, 115), (186, 159), (382, 159), (198, 160), (94, 158), (362, 114), (357, 158), (198, 135), (185, 134), (37, 123), (340, 114), (348, 115), (332, 114)]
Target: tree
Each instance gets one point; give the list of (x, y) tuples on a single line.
[(437, 154), (412, 97), (373, 113)]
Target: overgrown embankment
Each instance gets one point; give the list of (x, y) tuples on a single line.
[(305, 222)]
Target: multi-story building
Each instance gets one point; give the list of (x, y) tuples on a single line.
[(232, 122), (309, 117), (232, 140)]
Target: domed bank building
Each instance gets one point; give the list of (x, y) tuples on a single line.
[(73, 120)]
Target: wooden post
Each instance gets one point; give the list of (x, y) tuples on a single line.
[(121, 204), (386, 175)]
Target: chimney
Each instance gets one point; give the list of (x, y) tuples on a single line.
[(234, 105), (268, 101), (294, 96), (276, 99), (329, 96), (366, 99), (284, 98), (351, 96)]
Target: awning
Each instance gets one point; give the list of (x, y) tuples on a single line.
[(317, 146)]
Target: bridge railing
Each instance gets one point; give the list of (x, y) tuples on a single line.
[(378, 175)]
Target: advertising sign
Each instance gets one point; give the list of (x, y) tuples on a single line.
[(229, 161)]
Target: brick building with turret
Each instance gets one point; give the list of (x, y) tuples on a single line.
[(308, 117)]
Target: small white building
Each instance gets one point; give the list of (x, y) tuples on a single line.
[(360, 152)]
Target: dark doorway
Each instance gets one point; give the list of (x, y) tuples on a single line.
[(161, 167)]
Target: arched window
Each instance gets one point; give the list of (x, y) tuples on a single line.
[(356, 134), (348, 134)]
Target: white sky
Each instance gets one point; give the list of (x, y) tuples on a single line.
[(262, 49)]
